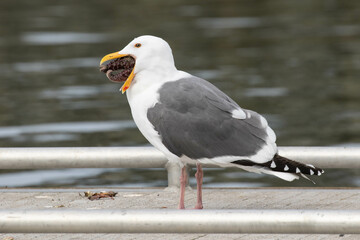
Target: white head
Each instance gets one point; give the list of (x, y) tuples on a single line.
[(145, 53)]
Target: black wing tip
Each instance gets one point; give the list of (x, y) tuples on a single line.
[(283, 164)]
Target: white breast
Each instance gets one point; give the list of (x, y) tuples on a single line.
[(142, 95)]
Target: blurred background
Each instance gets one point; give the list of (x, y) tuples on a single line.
[(295, 62)]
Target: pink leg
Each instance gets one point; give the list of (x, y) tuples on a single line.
[(182, 188), (199, 179)]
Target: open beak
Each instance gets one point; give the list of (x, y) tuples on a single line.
[(122, 65)]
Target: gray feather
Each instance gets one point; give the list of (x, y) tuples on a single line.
[(194, 119)]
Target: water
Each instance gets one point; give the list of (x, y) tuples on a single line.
[(295, 62)]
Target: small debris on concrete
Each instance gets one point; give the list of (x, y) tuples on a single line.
[(58, 206), (8, 238), (96, 196)]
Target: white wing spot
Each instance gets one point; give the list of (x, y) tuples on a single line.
[(311, 172), (263, 122), (286, 168), (319, 173), (309, 165), (273, 165), (297, 170), (238, 114)]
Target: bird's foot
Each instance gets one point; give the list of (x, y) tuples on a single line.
[(199, 206), (181, 206)]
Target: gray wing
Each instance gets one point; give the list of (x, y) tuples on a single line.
[(194, 118)]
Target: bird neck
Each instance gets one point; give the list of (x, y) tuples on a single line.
[(156, 74)]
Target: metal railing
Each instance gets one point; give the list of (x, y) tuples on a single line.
[(149, 157), (165, 220), (180, 221)]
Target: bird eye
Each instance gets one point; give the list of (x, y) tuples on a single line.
[(138, 45)]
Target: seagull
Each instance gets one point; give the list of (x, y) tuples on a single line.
[(190, 120)]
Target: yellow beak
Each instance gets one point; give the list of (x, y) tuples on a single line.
[(114, 55)]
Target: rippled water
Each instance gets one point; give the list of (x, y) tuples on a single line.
[(296, 62)]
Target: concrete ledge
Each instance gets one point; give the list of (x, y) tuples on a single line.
[(266, 210)]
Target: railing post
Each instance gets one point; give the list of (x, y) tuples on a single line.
[(173, 172)]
